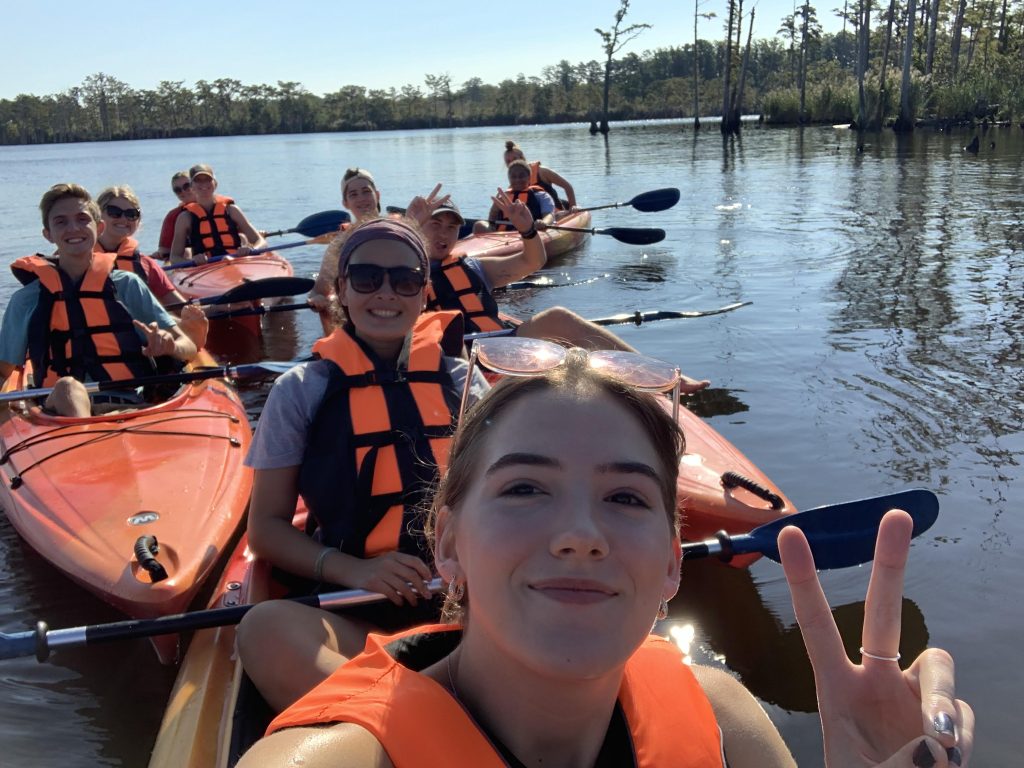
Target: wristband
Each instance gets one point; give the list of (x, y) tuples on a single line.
[(530, 233), (318, 567)]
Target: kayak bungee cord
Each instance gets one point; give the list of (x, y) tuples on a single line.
[(97, 435)]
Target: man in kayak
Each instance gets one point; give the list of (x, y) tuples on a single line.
[(212, 225), (181, 185), (538, 202), (78, 318), (466, 283)]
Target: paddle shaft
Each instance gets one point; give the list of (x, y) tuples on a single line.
[(637, 318), (648, 202), (839, 535), (254, 252), (268, 288), (315, 224), (41, 641), (222, 372)]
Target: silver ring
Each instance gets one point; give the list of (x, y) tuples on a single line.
[(879, 657)]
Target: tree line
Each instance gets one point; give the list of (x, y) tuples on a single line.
[(933, 59)]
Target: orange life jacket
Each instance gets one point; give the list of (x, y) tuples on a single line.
[(80, 330), (379, 438), (528, 197), (128, 257), (214, 232), (419, 723), (535, 181), (453, 285)]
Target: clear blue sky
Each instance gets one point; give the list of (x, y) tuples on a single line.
[(51, 45)]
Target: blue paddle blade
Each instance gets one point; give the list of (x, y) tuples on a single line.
[(841, 535)]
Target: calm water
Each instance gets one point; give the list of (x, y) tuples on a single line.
[(882, 350)]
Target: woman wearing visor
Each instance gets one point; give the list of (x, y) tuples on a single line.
[(359, 434), (556, 530)]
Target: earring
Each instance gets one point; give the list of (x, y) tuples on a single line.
[(663, 610), (456, 593)]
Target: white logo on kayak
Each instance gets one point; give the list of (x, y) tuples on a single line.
[(144, 517)]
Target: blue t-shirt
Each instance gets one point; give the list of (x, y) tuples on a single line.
[(129, 288)]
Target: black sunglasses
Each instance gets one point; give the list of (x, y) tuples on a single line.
[(183, 188), (116, 213), (367, 278)]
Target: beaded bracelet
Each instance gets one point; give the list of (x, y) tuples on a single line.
[(318, 567)]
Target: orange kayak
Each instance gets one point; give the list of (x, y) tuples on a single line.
[(215, 279), (556, 242), (84, 492)]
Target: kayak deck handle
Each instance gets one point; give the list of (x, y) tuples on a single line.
[(736, 480), (146, 550)]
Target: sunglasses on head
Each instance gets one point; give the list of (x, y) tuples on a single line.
[(351, 173), (183, 188), (367, 278), (116, 213), (535, 357)]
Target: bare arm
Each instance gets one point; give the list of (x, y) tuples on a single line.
[(749, 737), (551, 177), (502, 270), (256, 239), (182, 227), (343, 745), (6, 369)]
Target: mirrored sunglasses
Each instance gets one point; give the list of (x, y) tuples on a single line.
[(183, 188), (367, 278), (116, 213), (535, 357)]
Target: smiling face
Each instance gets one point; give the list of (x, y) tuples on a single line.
[(382, 318), (204, 186), (518, 177), (562, 537), (72, 229), (361, 198), (115, 229), (442, 232)]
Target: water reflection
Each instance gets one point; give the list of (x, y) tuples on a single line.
[(736, 629)]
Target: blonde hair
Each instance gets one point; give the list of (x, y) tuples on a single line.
[(124, 191), (59, 192)]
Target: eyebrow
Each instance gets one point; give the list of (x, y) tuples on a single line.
[(531, 459), (630, 468), (537, 460)]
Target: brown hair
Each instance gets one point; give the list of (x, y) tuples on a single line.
[(59, 192), (577, 379), (124, 191), (511, 146), (179, 175)]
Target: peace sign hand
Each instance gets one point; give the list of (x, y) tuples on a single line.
[(513, 211), (422, 208), (873, 713), (159, 343)]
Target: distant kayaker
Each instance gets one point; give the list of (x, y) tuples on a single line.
[(543, 177), (465, 283), (121, 214), (359, 435), (360, 196), (78, 318), (538, 202), (556, 529), (181, 186), (212, 225)]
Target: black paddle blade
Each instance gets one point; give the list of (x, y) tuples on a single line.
[(841, 535), (645, 236), (656, 200), (268, 288), (321, 223)]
